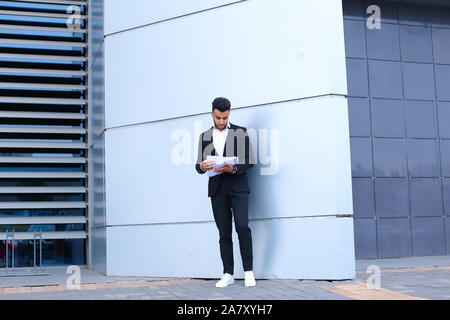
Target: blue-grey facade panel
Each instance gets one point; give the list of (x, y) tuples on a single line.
[(362, 158), (415, 44), (359, 117), (441, 45), (394, 237), (383, 43), (418, 81), (428, 236), (357, 81), (363, 198), (388, 118), (420, 119), (423, 158), (355, 44), (365, 238), (413, 14), (399, 123), (426, 197), (392, 197), (389, 157), (446, 195), (444, 119), (385, 79)]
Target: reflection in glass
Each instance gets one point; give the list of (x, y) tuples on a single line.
[(54, 252)]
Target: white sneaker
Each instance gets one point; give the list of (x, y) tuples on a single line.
[(249, 279), (226, 280)]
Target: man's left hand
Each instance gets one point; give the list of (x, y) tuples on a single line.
[(227, 168)]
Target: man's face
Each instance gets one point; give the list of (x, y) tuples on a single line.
[(220, 118)]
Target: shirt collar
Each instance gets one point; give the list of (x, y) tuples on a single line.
[(227, 127)]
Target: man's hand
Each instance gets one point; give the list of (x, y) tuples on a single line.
[(207, 165), (227, 168)]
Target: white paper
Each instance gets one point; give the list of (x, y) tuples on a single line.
[(220, 162)]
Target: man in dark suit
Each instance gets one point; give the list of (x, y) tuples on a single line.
[(228, 190)]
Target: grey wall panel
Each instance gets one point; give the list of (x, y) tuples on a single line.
[(383, 43), (392, 197), (444, 119), (426, 197), (412, 14), (362, 165), (388, 118), (363, 197), (365, 239), (359, 117), (415, 43), (394, 237), (355, 44), (441, 45), (389, 157), (408, 146), (423, 159), (420, 118), (446, 195), (428, 236)]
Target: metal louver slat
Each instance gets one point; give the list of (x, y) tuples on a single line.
[(38, 14), (41, 204), (19, 85), (42, 71), (47, 235), (43, 42), (42, 160), (43, 117), (54, 1), (37, 174), (42, 190), (42, 220), (54, 29), (43, 130), (42, 100), (46, 145), (40, 57)]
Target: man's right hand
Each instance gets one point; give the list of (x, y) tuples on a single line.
[(207, 165)]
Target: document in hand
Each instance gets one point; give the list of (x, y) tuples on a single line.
[(220, 162)]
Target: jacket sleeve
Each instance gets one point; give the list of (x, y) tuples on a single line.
[(249, 158), (199, 155)]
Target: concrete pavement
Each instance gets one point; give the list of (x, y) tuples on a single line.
[(405, 278)]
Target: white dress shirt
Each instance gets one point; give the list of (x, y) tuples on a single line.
[(219, 138)]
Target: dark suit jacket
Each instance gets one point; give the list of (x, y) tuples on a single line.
[(237, 144)]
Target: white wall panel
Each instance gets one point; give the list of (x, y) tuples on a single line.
[(122, 15), (299, 248), (313, 175), (253, 52)]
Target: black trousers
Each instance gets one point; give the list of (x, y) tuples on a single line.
[(224, 204)]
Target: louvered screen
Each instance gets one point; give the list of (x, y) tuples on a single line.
[(43, 108)]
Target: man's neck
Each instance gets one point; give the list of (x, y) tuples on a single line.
[(226, 127)]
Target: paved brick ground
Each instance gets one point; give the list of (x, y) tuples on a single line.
[(429, 283), (417, 282)]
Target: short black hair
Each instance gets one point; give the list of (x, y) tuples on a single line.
[(221, 104)]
